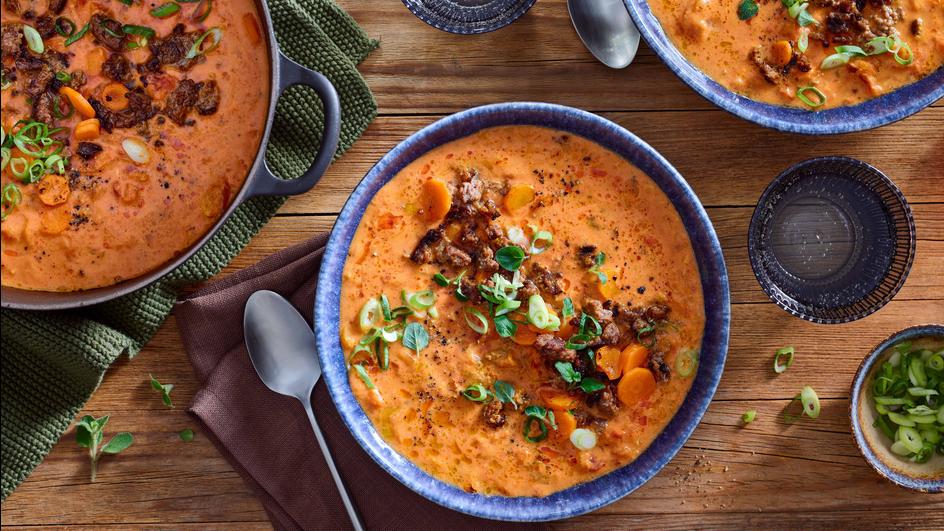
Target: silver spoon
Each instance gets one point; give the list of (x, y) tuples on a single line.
[(606, 29), (281, 346)]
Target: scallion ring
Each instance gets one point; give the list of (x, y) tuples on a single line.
[(138, 31), (33, 40), (783, 359), (476, 320), (421, 300), (539, 237), (215, 34), (583, 439), (803, 41), (165, 10), (476, 393), (810, 402), (362, 373), (369, 315), (686, 361), (909, 57), (65, 27), (77, 35), (820, 97), (538, 314), (910, 438)]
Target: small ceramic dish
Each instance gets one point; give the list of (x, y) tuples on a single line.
[(584, 497), (874, 445)]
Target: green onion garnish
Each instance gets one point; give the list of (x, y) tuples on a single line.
[(369, 315), (783, 359), (538, 314), (11, 196), (476, 393), (215, 34), (138, 31), (476, 320), (820, 97), (544, 419), (810, 402), (686, 361), (420, 300), (78, 35), (803, 41), (362, 372), (540, 236), (65, 27), (33, 40), (749, 416), (165, 10)]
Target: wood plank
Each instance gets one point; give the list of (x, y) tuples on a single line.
[(730, 164), (538, 58), (725, 468)]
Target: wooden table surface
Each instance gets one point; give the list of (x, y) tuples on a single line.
[(770, 474)]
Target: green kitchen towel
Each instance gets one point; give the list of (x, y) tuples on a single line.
[(53, 361)]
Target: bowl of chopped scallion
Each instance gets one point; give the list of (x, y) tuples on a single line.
[(897, 408)]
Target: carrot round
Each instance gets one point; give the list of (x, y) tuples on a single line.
[(53, 189), (436, 200), (608, 361), (88, 129), (566, 423), (518, 196), (114, 96), (525, 336), (78, 101), (633, 356), (635, 386)]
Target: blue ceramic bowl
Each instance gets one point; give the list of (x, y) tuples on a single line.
[(876, 112), (580, 498), (871, 442)]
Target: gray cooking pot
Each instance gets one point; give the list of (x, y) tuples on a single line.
[(260, 181)]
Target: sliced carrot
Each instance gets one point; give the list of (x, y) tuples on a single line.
[(518, 196), (781, 52), (566, 423), (636, 385), (55, 220), (114, 96), (633, 356), (88, 129), (525, 336), (608, 361), (435, 200), (53, 189), (78, 101), (603, 290), (348, 338), (556, 399)]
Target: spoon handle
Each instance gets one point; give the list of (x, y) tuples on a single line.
[(351, 511)]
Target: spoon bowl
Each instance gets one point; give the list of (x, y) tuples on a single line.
[(606, 29)]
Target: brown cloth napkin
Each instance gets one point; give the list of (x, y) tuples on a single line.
[(266, 437)]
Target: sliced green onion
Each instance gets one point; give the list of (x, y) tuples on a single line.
[(369, 315), (794, 9), (749, 416), (583, 439), (538, 314), (936, 362), (138, 31), (783, 359), (529, 427), (923, 419), (899, 448), (851, 50), (686, 361), (810, 402), (541, 236), (78, 35), (421, 300), (900, 419), (362, 372), (878, 45), (433, 312), (476, 320), (904, 61), (215, 34), (820, 97), (803, 41), (33, 40), (202, 10), (910, 438), (63, 77), (916, 373), (65, 27), (476, 393), (389, 335), (507, 306), (166, 10), (835, 60), (921, 391), (11, 197)]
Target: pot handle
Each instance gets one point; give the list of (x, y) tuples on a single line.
[(292, 73)]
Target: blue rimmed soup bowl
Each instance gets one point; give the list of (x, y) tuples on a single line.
[(580, 498), (870, 114)]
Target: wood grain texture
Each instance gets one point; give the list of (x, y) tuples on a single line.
[(771, 474)]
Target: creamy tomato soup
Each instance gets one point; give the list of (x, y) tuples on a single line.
[(127, 132), (521, 310), (815, 54)]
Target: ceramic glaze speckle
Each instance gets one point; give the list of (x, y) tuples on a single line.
[(603, 490), (873, 113)]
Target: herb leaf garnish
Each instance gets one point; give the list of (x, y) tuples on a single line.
[(510, 257), (544, 418), (505, 392), (89, 433), (186, 435), (505, 326), (164, 389), (415, 337), (747, 9), (591, 385), (598, 262), (567, 372)]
